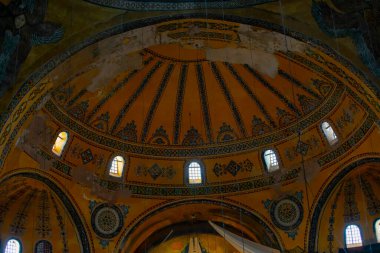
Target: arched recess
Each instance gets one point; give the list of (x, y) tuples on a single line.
[(326, 194), (76, 218), (163, 217)]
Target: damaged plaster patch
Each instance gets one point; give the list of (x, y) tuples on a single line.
[(263, 62), (256, 47), (109, 68), (268, 41)]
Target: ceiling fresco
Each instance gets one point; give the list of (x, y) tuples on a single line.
[(158, 86), (166, 83)]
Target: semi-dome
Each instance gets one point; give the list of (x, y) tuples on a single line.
[(35, 215)]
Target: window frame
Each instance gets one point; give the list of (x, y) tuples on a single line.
[(16, 239), (64, 145), (186, 173), (332, 126), (377, 232), (345, 236), (40, 241), (266, 169), (108, 171)]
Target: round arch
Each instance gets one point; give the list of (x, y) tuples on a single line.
[(224, 212)]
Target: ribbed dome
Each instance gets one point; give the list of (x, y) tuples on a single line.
[(194, 89)]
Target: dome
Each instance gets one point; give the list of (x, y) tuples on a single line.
[(177, 126), (185, 84)]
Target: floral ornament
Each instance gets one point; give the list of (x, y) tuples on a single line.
[(22, 26)]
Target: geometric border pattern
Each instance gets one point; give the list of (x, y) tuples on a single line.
[(152, 5)]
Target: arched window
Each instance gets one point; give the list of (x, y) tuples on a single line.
[(377, 230), (12, 246), (60, 143), (117, 166), (43, 247), (271, 160), (329, 133), (194, 173), (353, 236)]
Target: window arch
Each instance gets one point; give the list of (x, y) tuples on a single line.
[(43, 247), (377, 230), (329, 133), (194, 172), (353, 236), (271, 160), (13, 246), (60, 143), (117, 166)]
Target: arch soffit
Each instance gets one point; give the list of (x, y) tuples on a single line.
[(169, 206)]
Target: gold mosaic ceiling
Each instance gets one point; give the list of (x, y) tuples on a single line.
[(190, 83)]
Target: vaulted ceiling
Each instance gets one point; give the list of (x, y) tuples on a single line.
[(166, 86)]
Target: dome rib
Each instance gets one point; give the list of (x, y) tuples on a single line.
[(290, 105), (133, 98), (179, 103), (250, 93), (229, 99), (204, 102), (298, 84), (114, 90), (156, 100)]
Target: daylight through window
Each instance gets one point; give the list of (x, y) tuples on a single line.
[(377, 230), (329, 133), (117, 165), (13, 246), (60, 143), (195, 175), (271, 160), (353, 236)]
